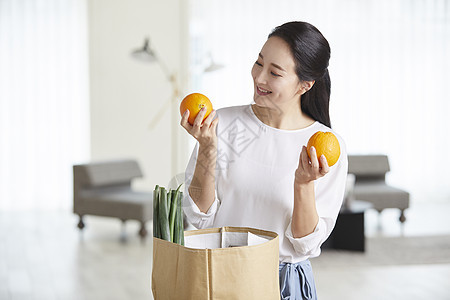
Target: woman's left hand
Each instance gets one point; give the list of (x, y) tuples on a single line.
[(308, 169)]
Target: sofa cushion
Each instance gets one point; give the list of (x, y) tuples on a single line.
[(123, 204), (381, 195)]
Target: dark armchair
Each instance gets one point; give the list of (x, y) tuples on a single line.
[(370, 184), (104, 189)]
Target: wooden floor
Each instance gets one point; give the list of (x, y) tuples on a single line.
[(43, 256)]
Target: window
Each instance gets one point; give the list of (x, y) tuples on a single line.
[(44, 108)]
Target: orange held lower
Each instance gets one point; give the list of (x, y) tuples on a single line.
[(325, 143), (194, 103)]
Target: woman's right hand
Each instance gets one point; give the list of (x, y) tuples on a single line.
[(204, 132), (202, 186)]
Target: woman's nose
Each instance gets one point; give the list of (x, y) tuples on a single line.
[(260, 77)]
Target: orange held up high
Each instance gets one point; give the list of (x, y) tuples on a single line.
[(195, 102), (327, 144)]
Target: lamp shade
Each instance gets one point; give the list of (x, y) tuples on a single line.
[(145, 53), (213, 66)]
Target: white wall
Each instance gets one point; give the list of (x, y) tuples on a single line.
[(125, 94)]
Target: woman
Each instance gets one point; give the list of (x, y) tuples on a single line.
[(250, 166)]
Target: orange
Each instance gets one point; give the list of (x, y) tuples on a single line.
[(195, 102), (326, 143)]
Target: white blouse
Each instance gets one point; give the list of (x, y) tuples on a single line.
[(255, 171)]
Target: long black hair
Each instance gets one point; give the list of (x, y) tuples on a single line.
[(311, 53)]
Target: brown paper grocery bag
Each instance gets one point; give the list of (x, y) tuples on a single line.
[(217, 264)]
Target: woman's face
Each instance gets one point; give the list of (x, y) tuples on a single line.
[(276, 85)]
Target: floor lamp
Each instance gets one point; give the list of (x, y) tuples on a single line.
[(147, 54)]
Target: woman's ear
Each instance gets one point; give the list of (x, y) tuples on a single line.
[(306, 86)]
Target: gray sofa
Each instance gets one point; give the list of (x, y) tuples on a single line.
[(370, 183), (104, 189)]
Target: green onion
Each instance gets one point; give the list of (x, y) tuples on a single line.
[(173, 212), (163, 215), (168, 215), (155, 212)]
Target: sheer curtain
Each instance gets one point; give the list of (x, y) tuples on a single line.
[(389, 72), (44, 108)]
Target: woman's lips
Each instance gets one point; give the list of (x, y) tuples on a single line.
[(262, 92)]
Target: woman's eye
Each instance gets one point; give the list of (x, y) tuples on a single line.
[(273, 73)]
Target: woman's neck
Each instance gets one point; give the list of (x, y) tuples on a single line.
[(287, 118)]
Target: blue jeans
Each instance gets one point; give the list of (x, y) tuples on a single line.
[(297, 281)]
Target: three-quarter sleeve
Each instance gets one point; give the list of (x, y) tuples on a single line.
[(329, 193), (193, 214)]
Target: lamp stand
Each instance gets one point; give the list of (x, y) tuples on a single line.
[(175, 116)]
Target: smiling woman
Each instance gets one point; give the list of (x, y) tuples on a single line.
[(268, 180)]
